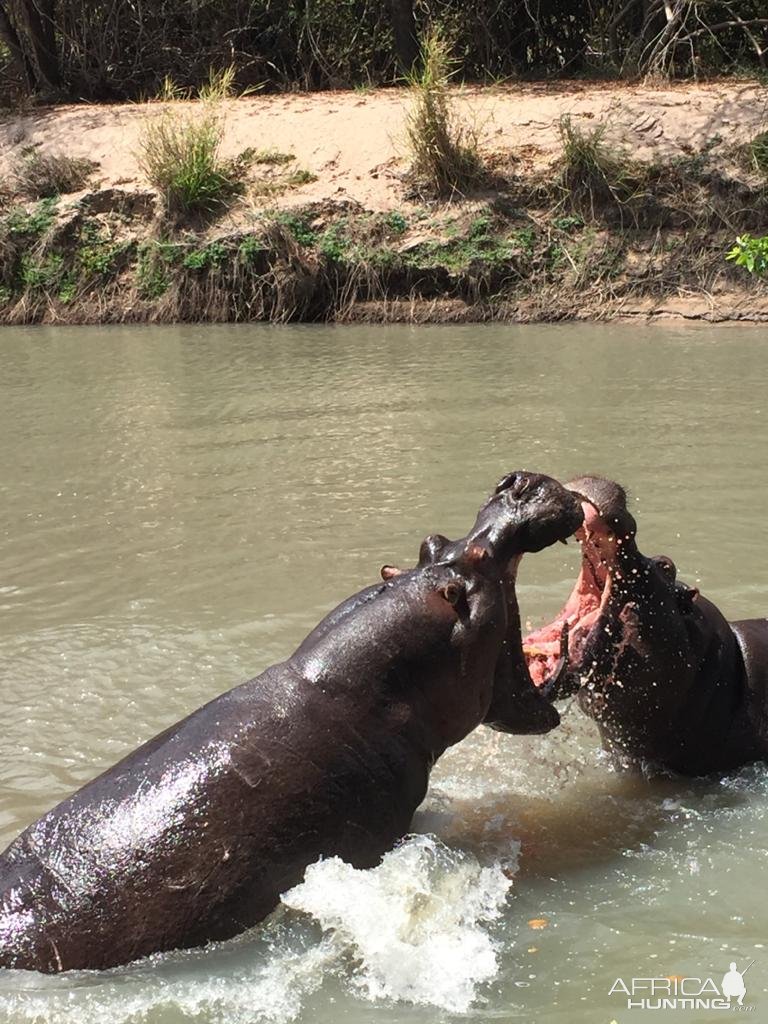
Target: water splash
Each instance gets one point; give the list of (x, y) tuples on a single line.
[(211, 987), (415, 924), (412, 929)]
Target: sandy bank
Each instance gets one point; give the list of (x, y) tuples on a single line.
[(353, 141), (351, 244)]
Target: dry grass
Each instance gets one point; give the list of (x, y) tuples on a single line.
[(758, 153), (42, 175)]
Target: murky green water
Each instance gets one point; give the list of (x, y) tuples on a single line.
[(181, 505)]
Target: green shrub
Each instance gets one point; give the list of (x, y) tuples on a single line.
[(444, 151), (333, 243), (479, 227), (155, 260), (250, 248), (750, 253), (396, 222), (97, 254), (571, 222), (212, 255), (42, 275), (298, 225), (32, 223)]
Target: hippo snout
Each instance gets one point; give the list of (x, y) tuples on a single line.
[(541, 511)]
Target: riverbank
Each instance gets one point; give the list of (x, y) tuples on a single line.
[(330, 227)]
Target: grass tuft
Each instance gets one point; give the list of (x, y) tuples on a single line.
[(300, 177), (272, 156), (181, 157), (444, 149), (758, 152), (591, 174), (44, 175), (180, 154)]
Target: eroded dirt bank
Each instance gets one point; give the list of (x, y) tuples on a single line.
[(337, 232)]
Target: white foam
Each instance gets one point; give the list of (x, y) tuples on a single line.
[(415, 925)]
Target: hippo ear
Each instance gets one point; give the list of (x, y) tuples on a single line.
[(388, 572), (505, 482)]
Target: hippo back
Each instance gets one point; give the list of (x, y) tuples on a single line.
[(193, 836)]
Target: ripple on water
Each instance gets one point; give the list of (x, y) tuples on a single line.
[(181, 505)]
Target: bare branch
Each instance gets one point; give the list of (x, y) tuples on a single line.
[(735, 23)]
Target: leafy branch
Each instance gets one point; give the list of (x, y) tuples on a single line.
[(751, 253)]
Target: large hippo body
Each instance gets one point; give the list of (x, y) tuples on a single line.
[(193, 836), (668, 680)]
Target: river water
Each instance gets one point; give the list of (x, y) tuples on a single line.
[(180, 505)]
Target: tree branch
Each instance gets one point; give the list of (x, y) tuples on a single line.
[(735, 23)]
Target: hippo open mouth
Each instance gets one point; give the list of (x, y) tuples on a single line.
[(566, 638)]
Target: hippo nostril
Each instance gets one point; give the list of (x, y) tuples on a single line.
[(515, 483), (506, 482)]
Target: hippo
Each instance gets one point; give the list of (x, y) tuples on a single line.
[(671, 684), (194, 836)]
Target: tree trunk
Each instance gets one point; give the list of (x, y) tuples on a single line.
[(404, 31), (11, 39), (38, 21)]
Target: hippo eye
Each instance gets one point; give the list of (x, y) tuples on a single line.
[(451, 592), (667, 567), (431, 548)]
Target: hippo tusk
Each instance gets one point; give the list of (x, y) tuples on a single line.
[(562, 683)]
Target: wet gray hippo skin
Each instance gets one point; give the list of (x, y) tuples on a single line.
[(193, 836), (667, 679)]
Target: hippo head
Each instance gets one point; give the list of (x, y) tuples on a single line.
[(625, 622), (526, 513), (612, 571)]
